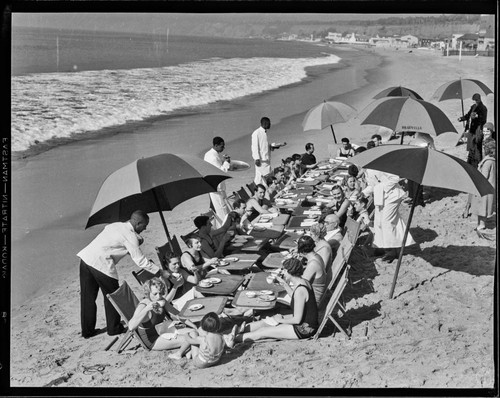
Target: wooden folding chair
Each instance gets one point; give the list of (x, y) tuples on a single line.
[(142, 276), (165, 252), (339, 263), (352, 230), (334, 304), (125, 302), (213, 217)]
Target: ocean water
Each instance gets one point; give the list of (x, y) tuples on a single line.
[(69, 83)]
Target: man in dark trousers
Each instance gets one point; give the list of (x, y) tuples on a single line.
[(475, 118), (98, 269)]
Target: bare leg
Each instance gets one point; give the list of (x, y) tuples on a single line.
[(278, 332), (185, 345)]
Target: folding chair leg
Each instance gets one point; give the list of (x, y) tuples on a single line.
[(125, 341), (321, 326), (338, 326)]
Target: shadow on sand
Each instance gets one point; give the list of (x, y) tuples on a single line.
[(434, 194), (458, 258)]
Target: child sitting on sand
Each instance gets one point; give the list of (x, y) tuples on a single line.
[(207, 344)]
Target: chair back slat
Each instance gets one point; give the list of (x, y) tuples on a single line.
[(243, 194), (142, 276), (124, 300), (352, 229), (252, 187)]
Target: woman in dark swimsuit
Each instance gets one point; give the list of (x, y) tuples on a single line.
[(194, 265), (301, 324)]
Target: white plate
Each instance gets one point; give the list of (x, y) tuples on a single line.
[(258, 229), (231, 259), (205, 284), (237, 244), (214, 280), (196, 307), (266, 297), (222, 263), (266, 292), (251, 294)]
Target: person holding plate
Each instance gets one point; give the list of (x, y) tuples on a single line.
[(301, 324)]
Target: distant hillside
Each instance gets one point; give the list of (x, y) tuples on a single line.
[(442, 26)]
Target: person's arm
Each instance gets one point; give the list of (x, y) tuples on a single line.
[(255, 149), (253, 204), (343, 209), (193, 278), (142, 310), (298, 308), (131, 243)]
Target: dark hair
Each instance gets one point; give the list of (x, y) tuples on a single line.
[(345, 140), (261, 187), (377, 136), (270, 180), (294, 266), (217, 141), (210, 322), (287, 160), (296, 156), (490, 148), (309, 145), (363, 200), (305, 244), (370, 144), (201, 221), (476, 97), (265, 122), (353, 170), (278, 170), (237, 203), (360, 149)]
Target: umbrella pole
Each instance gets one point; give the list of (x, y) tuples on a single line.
[(333, 133), (463, 114), (162, 218), (415, 196), (402, 137)]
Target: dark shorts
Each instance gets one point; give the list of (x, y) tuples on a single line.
[(304, 331)]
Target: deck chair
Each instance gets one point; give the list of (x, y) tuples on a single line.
[(352, 230), (125, 302), (213, 217), (142, 276), (189, 235), (165, 252), (334, 304), (339, 263), (243, 194), (252, 187), (371, 208)]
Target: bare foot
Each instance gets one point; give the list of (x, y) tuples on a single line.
[(229, 338), (175, 356)]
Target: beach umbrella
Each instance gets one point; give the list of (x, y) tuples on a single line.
[(156, 183), (407, 114), (327, 114), (460, 89), (398, 92), (424, 166)]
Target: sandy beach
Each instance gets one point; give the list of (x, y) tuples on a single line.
[(437, 332)]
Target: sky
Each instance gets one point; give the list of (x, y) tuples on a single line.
[(147, 22)]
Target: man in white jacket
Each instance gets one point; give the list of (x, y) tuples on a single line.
[(261, 151), (215, 157)]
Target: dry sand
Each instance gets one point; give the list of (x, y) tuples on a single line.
[(437, 332)]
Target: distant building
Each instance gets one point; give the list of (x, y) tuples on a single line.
[(411, 40), (334, 37)]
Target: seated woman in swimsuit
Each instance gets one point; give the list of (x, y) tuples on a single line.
[(301, 324), (151, 319), (194, 267), (346, 150), (315, 271), (213, 241)]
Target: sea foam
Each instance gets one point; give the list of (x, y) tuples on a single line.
[(55, 105)]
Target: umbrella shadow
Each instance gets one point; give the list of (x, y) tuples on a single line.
[(361, 275), (435, 194), (423, 234), (475, 260)]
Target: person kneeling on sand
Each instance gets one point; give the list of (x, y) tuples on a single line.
[(301, 324), (151, 319), (207, 344)]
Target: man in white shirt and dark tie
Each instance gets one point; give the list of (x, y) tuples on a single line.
[(98, 269)]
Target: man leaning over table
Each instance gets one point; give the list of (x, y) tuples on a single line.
[(261, 150), (98, 269)]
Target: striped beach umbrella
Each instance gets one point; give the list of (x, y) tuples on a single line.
[(398, 92), (425, 166), (151, 184), (408, 114), (327, 114), (460, 89)]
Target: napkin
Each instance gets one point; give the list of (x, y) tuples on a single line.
[(263, 224), (318, 212), (327, 186)]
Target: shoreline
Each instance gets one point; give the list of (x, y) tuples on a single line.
[(33, 233), (436, 333)]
